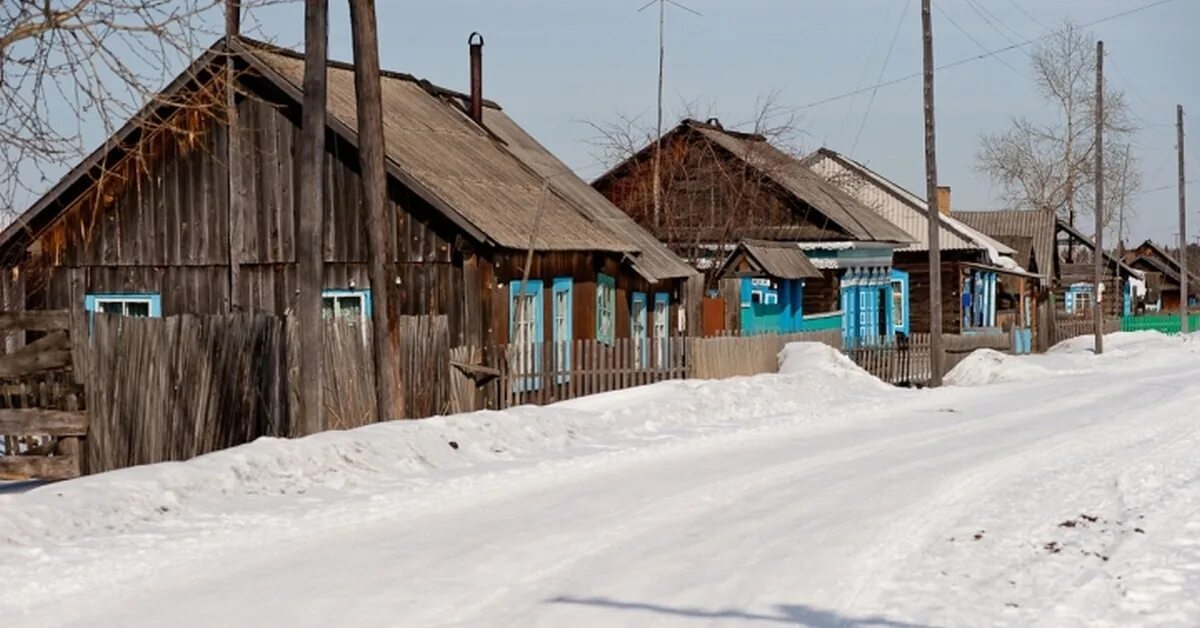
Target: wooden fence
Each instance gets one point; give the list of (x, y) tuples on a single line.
[(349, 374), (729, 356), (1065, 329), (541, 373), (174, 388), (41, 398), (902, 362)]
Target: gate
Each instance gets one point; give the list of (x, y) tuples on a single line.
[(41, 397)]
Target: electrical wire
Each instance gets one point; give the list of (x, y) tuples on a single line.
[(870, 103), (955, 24), (966, 60)]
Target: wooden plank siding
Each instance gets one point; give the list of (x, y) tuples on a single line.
[(166, 232), (916, 264)]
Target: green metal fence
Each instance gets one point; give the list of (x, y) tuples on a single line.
[(1165, 323)]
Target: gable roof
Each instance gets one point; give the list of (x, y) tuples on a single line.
[(1161, 253), (789, 174), (1035, 224), (465, 171), (905, 209), (784, 260), (1087, 243)]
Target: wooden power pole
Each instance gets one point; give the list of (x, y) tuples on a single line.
[(936, 356), (233, 154), (1098, 238), (1183, 241), (368, 92), (310, 227)]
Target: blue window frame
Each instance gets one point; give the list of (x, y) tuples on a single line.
[(606, 298), (350, 305), (526, 334), (900, 302), (562, 331), (136, 304), (662, 329), (638, 332)]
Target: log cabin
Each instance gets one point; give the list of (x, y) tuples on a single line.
[(1163, 278), (719, 187), (479, 214)]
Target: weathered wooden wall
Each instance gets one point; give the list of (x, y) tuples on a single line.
[(165, 229)]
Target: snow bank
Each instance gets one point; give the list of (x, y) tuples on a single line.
[(818, 383), (986, 366), (798, 358), (1075, 356)]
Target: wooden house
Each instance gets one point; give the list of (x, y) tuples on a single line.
[(983, 286), (768, 279), (149, 225), (720, 187), (1044, 243), (1163, 278)]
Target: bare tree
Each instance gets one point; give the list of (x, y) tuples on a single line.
[(72, 71), (709, 201), (1048, 165)]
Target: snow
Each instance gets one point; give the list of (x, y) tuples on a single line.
[(1060, 489)]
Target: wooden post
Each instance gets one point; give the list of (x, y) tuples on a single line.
[(384, 317), (310, 226), (1098, 238), (931, 188), (233, 154), (1183, 241)]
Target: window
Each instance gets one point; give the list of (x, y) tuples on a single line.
[(525, 334), (606, 297), (1081, 302), (348, 305), (771, 298), (637, 322), (135, 305), (562, 332), (897, 304), (662, 322)]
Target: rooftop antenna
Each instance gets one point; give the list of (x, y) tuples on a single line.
[(662, 20)]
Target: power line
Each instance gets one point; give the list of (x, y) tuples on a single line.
[(1168, 187), (1026, 13), (979, 57), (862, 76), (870, 103), (978, 43), (994, 21)]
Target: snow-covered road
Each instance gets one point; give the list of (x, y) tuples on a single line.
[(1052, 490)]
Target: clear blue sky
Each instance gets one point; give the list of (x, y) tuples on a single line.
[(554, 63)]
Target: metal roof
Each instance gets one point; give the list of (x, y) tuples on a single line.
[(1035, 224), (776, 259), (899, 206)]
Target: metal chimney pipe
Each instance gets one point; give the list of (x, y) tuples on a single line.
[(475, 41)]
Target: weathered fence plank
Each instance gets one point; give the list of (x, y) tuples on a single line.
[(42, 422)]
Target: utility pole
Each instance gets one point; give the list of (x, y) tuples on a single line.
[(936, 357), (384, 317), (310, 227), (662, 53), (656, 159), (1098, 250), (1183, 242), (233, 154)]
